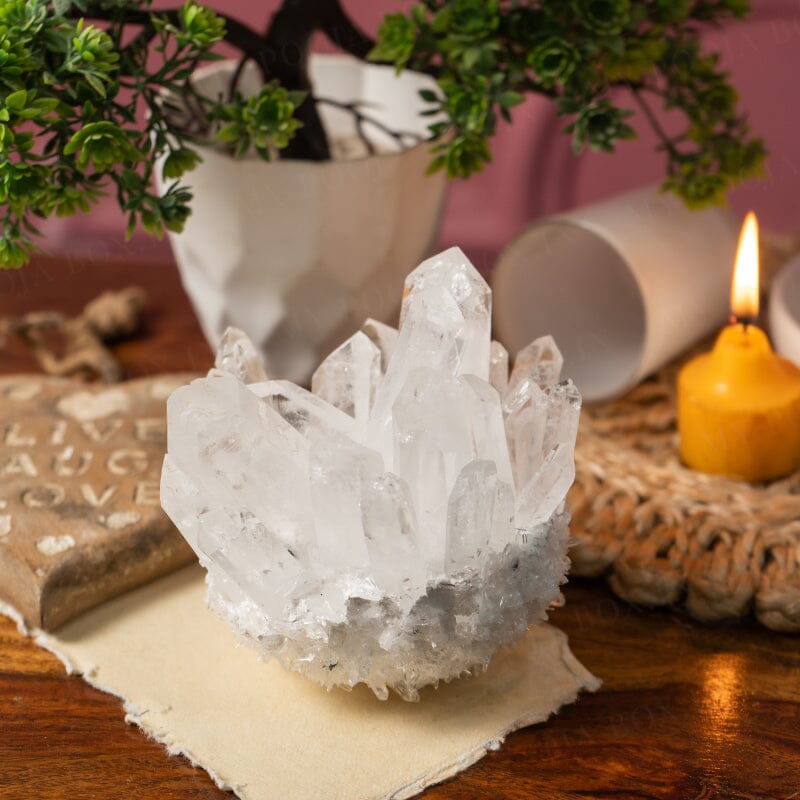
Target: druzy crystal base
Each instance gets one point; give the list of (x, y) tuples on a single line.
[(399, 523)]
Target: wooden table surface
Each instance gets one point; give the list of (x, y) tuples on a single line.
[(686, 711)]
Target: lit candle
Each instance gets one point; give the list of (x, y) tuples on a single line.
[(739, 405)]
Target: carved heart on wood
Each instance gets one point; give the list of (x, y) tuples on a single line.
[(80, 518)]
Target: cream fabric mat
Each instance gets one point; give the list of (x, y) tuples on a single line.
[(266, 733)]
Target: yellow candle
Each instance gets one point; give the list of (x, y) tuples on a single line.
[(739, 405)]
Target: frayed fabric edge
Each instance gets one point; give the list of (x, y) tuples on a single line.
[(587, 682), (132, 715)]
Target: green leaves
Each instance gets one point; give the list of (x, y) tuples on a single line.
[(462, 156), (200, 27), (603, 17), (101, 145), (487, 55), (15, 247), (633, 61), (395, 44), (189, 37), (156, 213), (599, 126), (23, 105), (262, 122), (65, 137), (179, 162), (21, 182), (553, 61), (715, 150), (91, 54), (16, 101)]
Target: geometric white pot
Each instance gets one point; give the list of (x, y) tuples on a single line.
[(298, 253)]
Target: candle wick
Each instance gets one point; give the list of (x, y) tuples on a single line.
[(745, 322)]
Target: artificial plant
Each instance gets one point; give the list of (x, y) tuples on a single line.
[(75, 76)]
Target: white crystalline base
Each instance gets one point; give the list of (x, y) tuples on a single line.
[(453, 629)]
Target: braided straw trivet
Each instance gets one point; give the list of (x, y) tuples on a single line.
[(664, 534)]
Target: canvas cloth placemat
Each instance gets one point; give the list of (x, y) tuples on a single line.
[(664, 534), (266, 733)]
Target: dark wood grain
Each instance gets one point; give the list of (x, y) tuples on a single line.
[(686, 711)]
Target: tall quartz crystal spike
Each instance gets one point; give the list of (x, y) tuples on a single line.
[(340, 470), (540, 412), (349, 377), (544, 493), (484, 413), (391, 533), (305, 412), (525, 409), (470, 514), (563, 415), (403, 520), (432, 443), (219, 448), (453, 272), (446, 327)]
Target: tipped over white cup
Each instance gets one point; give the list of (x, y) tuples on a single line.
[(624, 286)]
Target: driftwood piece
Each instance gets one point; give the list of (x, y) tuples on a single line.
[(76, 347)]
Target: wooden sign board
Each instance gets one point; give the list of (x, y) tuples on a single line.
[(80, 519)]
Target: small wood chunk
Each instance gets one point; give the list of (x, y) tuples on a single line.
[(80, 518)]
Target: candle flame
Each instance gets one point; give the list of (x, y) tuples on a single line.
[(744, 291)]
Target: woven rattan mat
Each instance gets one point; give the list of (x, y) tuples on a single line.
[(663, 534)]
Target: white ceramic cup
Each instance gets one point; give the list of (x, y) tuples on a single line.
[(784, 311), (624, 286)]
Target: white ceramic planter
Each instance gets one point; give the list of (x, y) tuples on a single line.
[(298, 253)]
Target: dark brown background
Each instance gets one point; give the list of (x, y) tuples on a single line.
[(686, 711)]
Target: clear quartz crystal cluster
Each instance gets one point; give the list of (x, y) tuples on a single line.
[(401, 521)]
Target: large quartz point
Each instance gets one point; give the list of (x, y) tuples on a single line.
[(403, 520)]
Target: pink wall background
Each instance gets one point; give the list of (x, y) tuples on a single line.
[(534, 171)]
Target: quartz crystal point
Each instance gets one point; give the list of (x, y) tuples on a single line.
[(238, 355), (498, 367), (541, 361), (451, 275), (383, 336), (349, 376), (403, 520)]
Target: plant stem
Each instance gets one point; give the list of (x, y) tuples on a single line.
[(362, 120), (666, 141)]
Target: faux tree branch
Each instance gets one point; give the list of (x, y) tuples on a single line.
[(666, 141), (293, 25), (236, 33), (361, 120), (281, 54)]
